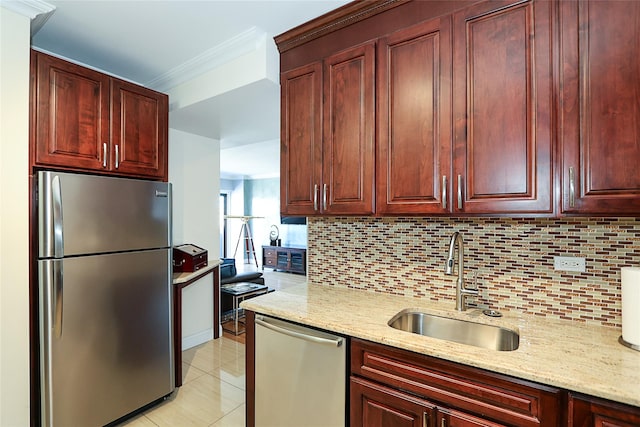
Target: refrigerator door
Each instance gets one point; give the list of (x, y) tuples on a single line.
[(106, 336), (85, 214)]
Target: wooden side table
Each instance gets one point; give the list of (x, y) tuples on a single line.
[(181, 281), (238, 293)]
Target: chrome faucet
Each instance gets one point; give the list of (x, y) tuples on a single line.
[(461, 291)]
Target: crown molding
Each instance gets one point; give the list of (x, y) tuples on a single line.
[(243, 43), (37, 11), (332, 21)]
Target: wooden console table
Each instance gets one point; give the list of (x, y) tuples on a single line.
[(290, 259), (181, 281)]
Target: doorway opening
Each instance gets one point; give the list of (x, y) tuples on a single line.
[(224, 211)]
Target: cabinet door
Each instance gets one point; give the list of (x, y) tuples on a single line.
[(139, 123), (70, 114), (585, 411), (502, 106), (298, 261), (301, 140), (282, 260), (451, 418), (414, 122), (348, 137), (373, 405), (599, 111)]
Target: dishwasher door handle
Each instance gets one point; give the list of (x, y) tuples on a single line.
[(312, 338)]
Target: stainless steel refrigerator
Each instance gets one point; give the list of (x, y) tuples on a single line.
[(104, 265)]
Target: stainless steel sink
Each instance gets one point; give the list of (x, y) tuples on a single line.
[(460, 331)]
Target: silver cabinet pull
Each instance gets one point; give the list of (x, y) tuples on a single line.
[(117, 157), (425, 419), (459, 191), (315, 197), (104, 155), (324, 197), (572, 188), (443, 423), (444, 192)]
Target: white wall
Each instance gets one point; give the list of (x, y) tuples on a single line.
[(14, 217), (194, 171), (251, 67)]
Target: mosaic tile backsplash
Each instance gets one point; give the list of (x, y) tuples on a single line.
[(510, 260)]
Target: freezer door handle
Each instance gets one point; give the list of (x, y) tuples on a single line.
[(312, 338), (51, 234)]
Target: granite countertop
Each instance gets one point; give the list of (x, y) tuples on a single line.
[(582, 358)]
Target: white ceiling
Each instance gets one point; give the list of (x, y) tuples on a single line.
[(159, 44)]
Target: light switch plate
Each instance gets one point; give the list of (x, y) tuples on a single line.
[(568, 263)]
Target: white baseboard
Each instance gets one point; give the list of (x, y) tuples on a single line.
[(197, 339)]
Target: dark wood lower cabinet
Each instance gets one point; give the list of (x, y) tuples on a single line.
[(393, 387), (451, 418), (586, 411), (374, 405)]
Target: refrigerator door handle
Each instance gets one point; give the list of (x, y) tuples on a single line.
[(51, 234), (57, 298), (52, 297)]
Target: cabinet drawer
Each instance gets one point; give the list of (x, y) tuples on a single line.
[(270, 261), (494, 396), (269, 253)]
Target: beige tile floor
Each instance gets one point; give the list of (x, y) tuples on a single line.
[(213, 389)]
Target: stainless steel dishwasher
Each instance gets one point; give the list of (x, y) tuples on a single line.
[(300, 375)]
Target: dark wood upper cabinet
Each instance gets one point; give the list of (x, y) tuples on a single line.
[(71, 115), (87, 121), (414, 120), (301, 139), (327, 153), (505, 107), (348, 183), (502, 106), (139, 125), (599, 123)]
